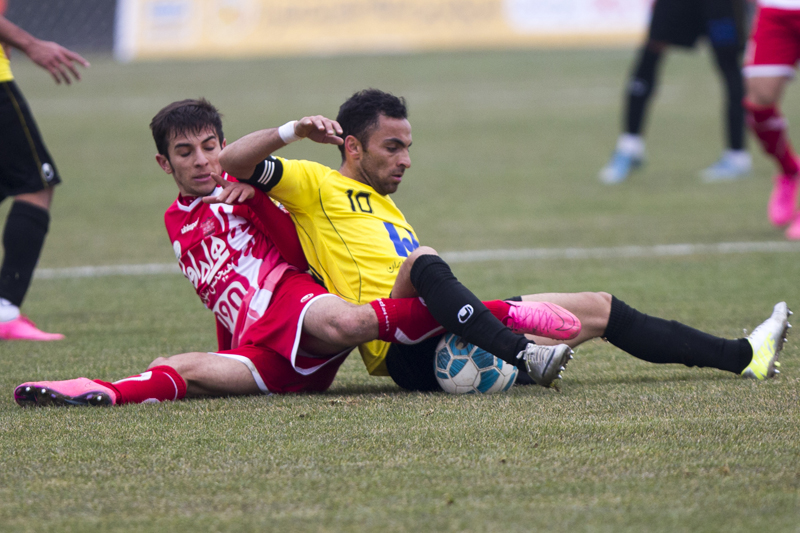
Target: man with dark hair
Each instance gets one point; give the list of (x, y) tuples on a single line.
[(359, 244), (28, 173), (680, 23), (278, 330)]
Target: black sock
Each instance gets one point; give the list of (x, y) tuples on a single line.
[(661, 341), (23, 239), (640, 88), (461, 312), (729, 63)]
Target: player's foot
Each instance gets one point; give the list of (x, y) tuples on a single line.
[(544, 319), (80, 391), (767, 341), (793, 231), (21, 328), (781, 209), (544, 364), (619, 167), (733, 165)]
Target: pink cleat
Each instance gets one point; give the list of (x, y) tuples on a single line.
[(793, 231), (544, 319), (80, 391), (21, 328), (781, 209)]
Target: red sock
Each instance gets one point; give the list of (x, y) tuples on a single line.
[(404, 320), (770, 127), (158, 384), (408, 321), (499, 309)]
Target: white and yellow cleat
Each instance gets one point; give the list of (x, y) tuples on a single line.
[(767, 342)]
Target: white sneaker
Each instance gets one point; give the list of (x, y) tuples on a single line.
[(627, 156), (545, 363), (767, 342), (733, 165)]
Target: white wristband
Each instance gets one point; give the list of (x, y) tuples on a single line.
[(287, 134)]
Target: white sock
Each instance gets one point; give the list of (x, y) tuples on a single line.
[(740, 158), (632, 145), (8, 311)]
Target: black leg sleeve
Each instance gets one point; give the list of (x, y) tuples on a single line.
[(661, 341), (23, 239), (640, 88), (461, 312), (729, 62)]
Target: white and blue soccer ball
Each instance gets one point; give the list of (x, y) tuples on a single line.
[(463, 368)]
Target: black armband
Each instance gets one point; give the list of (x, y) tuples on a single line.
[(266, 175)]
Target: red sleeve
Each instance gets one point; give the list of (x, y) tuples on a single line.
[(224, 337), (279, 228)]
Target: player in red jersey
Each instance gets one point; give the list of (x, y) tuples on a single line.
[(278, 330), (770, 62)]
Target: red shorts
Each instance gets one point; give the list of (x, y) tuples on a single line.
[(270, 347), (774, 46)]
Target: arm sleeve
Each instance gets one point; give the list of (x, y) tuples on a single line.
[(266, 175), (280, 229)]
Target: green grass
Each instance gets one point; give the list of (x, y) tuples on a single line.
[(506, 150)]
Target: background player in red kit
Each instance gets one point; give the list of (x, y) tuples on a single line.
[(278, 330), (770, 62)]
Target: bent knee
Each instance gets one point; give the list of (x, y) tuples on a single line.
[(159, 361), (422, 250)]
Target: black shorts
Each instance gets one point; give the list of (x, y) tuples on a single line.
[(411, 365), (25, 164), (682, 22)]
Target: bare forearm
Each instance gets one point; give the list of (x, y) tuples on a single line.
[(241, 157), (15, 36)]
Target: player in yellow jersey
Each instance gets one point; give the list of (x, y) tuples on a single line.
[(27, 173), (357, 241)]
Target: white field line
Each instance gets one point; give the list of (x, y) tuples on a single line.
[(477, 256)]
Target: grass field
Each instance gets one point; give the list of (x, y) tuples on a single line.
[(507, 146)]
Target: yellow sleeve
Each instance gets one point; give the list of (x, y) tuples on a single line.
[(5, 66), (299, 184)]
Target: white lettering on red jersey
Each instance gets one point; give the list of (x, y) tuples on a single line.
[(223, 251)]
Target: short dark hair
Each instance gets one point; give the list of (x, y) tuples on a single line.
[(186, 116), (360, 113)]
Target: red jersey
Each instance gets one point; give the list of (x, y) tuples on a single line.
[(227, 254)]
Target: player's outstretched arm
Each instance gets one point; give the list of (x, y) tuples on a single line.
[(52, 57), (240, 158)]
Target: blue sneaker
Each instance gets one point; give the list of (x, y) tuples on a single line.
[(619, 167), (733, 165)]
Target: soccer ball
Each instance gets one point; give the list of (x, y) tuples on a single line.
[(463, 368)]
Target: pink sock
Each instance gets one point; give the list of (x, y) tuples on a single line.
[(770, 127), (158, 384)]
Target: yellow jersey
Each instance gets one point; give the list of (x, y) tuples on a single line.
[(354, 238), (5, 66)]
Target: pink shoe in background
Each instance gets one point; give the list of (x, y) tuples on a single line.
[(783, 200), (793, 231), (544, 319), (80, 391), (21, 328)]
